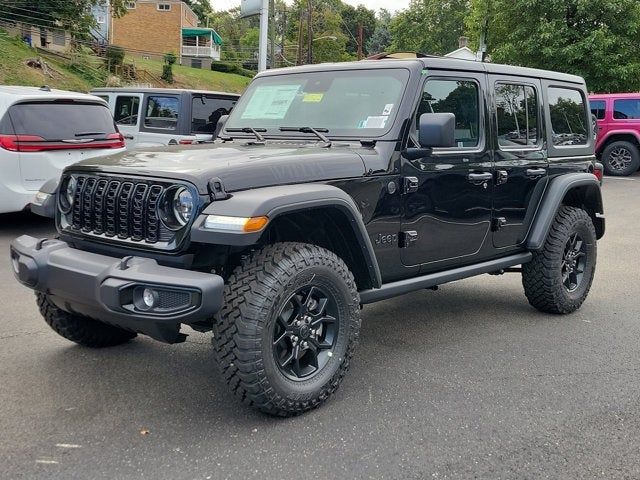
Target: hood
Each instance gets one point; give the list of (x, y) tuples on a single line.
[(239, 166)]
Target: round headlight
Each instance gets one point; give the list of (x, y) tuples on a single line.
[(183, 205), (67, 194)]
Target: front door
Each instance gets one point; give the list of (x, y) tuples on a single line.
[(126, 113), (447, 204), (520, 161)]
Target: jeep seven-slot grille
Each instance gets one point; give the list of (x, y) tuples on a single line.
[(118, 208)]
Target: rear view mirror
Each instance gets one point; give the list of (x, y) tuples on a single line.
[(437, 130)]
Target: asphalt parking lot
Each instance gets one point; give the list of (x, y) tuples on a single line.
[(465, 382)]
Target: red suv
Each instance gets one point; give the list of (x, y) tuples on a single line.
[(618, 143)]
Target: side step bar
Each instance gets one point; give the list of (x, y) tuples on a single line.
[(393, 289)]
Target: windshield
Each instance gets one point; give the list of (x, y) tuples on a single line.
[(354, 103)]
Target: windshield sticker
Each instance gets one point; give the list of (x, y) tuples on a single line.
[(375, 122), (270, 102), (312, 97), (387, 109)]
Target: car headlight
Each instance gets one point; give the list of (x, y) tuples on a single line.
[(177, 207), (67, 194)]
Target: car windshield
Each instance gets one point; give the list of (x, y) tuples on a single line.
[(355, 103)]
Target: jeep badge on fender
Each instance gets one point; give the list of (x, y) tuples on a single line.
[(275, 236)]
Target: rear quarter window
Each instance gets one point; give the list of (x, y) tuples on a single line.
[(206, 111), (61, 120), (626, 109), (570, 123)]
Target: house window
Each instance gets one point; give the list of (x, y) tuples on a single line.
[(130, 5), (568, 112), (101, 20), (517, 115), (58, 38), (164, 7)]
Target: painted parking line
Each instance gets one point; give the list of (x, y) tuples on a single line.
[(620, 178)]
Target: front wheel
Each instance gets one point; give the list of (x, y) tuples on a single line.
[(288, 330), (558, 278)]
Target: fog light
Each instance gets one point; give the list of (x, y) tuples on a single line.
[(149, 298)]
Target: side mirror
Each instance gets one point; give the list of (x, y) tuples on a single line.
[(437, 130), (221, 121)]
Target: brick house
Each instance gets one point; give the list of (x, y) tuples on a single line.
[(156, 27)]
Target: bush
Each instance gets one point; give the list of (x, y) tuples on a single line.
[(170, 58), (231, 68), (114, 57), (167, 73)]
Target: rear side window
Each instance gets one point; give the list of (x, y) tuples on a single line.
[(598, 108), (459, 97), (517, 115), (569, 125), (206, 111), (126, 111), (627, 109), (162, 113), (61, 121)]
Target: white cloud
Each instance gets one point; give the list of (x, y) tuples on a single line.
[(372, 4)]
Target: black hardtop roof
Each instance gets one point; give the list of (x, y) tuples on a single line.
[(438, 63), (159, 91)]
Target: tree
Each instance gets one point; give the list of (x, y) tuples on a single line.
[(429, 26), (380, 40), (202, 8), (596, 39)]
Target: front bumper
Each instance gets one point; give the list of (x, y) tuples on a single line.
[(109, 289)]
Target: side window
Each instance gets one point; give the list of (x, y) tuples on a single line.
[(517, 115), (460, 97), (162, 113), (126, 111), (206, 111), (627, 109), (569, 120), (598, 108)]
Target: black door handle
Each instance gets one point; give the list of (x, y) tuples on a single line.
[(128, 136), (479, 178), (536, 172)]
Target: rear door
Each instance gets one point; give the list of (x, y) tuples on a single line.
[(126, 113), (521, 162), (54, 134), (161, 120), (206, 110)]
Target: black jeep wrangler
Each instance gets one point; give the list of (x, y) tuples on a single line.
[(332, 186)]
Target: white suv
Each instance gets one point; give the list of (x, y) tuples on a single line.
[(41, 132)]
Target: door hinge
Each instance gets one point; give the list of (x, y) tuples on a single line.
[(411, 185), (407, 238), (497, 223)]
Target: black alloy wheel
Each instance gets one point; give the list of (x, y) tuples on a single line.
[(305, 333), (574, 262)]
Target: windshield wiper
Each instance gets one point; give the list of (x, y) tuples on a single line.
[(316, 131), (255, 131)]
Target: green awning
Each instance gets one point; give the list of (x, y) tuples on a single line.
[(202, 32)]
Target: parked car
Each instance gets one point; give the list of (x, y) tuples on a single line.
[(41, 132), (618, 144), (333, 186), (150, 117)]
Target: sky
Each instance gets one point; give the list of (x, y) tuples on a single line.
[(392, 6)]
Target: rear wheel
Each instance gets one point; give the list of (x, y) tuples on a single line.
[(558, 278), (288, 330), (81, 330), (621, 158)]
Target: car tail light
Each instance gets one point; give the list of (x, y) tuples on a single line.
[(34, 143), (598, 171)]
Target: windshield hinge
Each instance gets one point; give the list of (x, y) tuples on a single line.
[(216, 189)]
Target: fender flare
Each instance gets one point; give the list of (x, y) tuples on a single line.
[(612, 133), (555, 193), (273, 202)]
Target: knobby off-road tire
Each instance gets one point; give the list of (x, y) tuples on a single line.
[(282, 296), (558, 278), (81, 330), (621, 158)]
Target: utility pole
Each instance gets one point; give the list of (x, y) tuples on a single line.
[(284, 29), (264, 36), (310, 34), (299, 58), (272, 34), (360, 41)]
